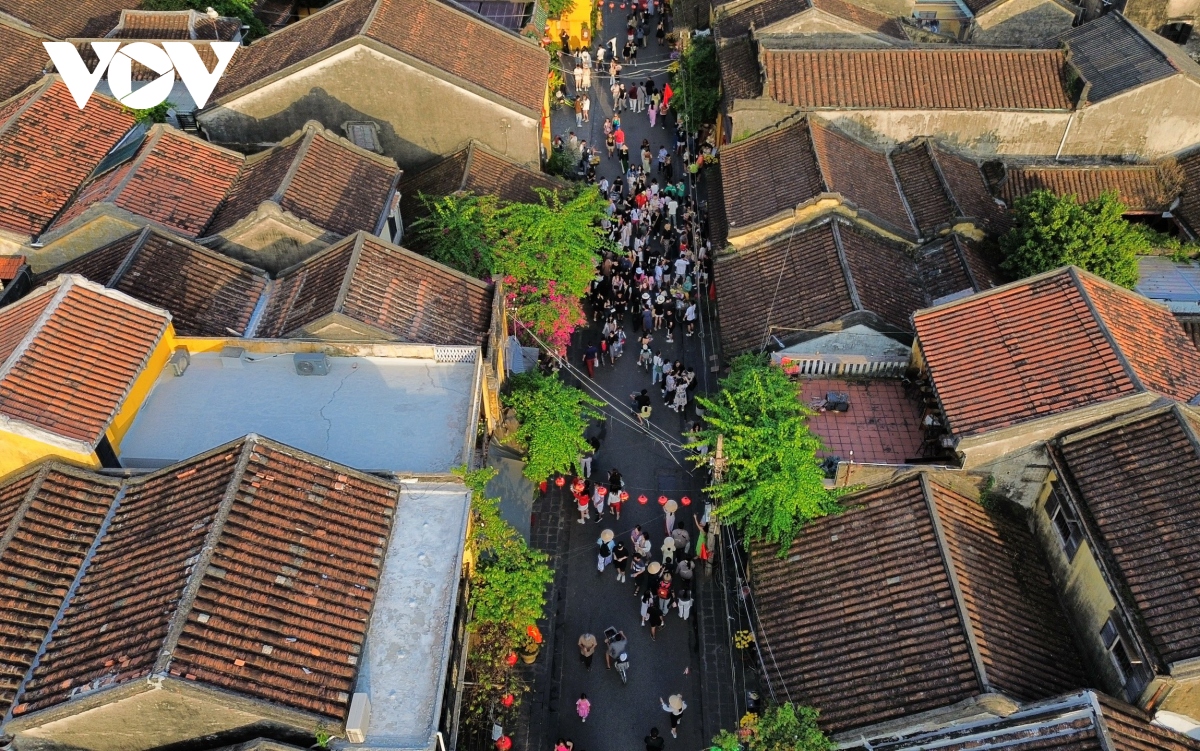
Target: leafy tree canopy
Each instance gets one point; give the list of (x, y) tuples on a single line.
[(696, 81), (1051, 231), (785, 727), (553, 418), (242, 9), (773, 484), (459, 231)]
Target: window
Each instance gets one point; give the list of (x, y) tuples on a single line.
[(1116, 650), (1066, 524)]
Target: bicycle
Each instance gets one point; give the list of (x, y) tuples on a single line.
[(623, 668)]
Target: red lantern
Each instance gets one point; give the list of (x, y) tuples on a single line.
[(542, 486), (560, 481), (511, 659), (503, 743), (662, 500), (686, 501), (624, 496), (642, 499), (507, 700)]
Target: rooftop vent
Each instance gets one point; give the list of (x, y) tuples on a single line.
[(179, 361), (311, 363)]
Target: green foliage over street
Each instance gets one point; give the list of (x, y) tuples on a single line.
[(772, 484), (555, 8), (553, 417), (785, 727), (241, 9), (696, 81), (155, 114), (1051, 231), (544, 252), (508, 585)]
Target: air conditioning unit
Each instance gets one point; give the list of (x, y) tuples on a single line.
[(359, 718), (231, 357), (179, 361), (311, 363)]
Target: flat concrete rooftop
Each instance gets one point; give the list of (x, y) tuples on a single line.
[(371, 412), (408, 644)]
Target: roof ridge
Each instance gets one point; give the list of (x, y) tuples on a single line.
[(320, 254), (810, 133), (960, 603), (127, 261), (143, 153), (945, 184), (8, 533), (1002, 289), (64, 283), (351, 268), (334, 138), (424, 260), (294, 167), (843, 262), (178, 619), (43, 85), (194, 246), (68, 596), (1073, 272)]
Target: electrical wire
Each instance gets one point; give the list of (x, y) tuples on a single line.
[(749, 598)]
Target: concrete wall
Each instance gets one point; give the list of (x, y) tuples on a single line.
[(1021, 23), (421, 116), (816, 30), (1084, 594), (96, 228), (1150, 122)]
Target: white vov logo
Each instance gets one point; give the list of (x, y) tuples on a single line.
[(180, 57)]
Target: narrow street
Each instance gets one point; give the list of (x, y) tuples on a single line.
[(653, 465)]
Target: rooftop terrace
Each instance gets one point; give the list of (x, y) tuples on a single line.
[(381, 407)]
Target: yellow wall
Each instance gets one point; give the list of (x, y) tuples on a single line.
[(18, 452), (141, 388), (574, 21)]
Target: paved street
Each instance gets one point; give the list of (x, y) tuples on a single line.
[(652, 464)]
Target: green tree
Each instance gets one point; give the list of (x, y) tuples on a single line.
[(1050, 231), (240, 9), (151, 115), (553, 417), (772, 484), (784, 727), (459, 231), (508, 596), (696, 81)]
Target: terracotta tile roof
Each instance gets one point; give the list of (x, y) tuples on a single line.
[(47, 150), (891, 641), (174, 179), (953, 265), (757, 16), (174, 24), (865, 17), (803, 265), (971, 79), (927, 198), (455, 41), (450, 40), (969, 190), (783, 159), (1018, 625), (81, 356), (57, 514), (79, 18), (10, 266), (1084, 721), (478, 170), (1036, 348), (1189, 202), (208, 294), (283, 551), (23, 60), (317, 177), (885, 277), (739, 70), (292, 44), (392, 289), (1141, 188), (863, 176), (1138, 480)]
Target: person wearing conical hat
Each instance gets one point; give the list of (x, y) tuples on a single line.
[(670, 507), (675, 706), (604, 550)]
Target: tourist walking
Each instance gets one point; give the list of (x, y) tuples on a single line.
[(587, 648), (584, 707), (683, 601), (654, 741), (675, 705), (621, 561)]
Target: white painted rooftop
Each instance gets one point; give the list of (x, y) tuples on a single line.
[(407, 652), (372, 411)]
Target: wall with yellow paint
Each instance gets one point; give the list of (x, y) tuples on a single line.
[(141, 388), (577, 22), (18, 452)]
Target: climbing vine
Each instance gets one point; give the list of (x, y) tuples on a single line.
[(553, 418), (784, 727)]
